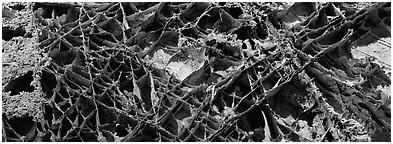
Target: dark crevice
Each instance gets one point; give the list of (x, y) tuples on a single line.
[(9, 33), (121, 131), (329, 137), (58, 9), (309, 115), (22, 125), (20, 84), (255, 118), (17, 7), (48, 82)]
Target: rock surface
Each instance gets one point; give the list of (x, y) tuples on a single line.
[(173, 71)]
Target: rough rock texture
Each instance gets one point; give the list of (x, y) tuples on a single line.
[(196, 71)]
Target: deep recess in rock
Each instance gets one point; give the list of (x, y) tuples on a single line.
[(8, 32), (20, 84)]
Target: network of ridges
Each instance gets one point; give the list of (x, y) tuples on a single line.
[(100, 89), (329, 45), (93, 82), (99, 73)]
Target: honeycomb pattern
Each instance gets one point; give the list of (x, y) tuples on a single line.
[(100, 86)]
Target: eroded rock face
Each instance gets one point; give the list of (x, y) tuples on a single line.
[(204, 72)]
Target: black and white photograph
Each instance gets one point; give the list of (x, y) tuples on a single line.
[(207, 71)]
